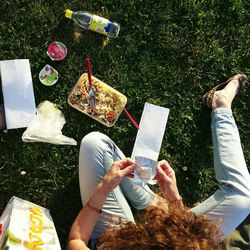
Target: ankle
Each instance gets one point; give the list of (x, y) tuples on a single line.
[(221, 101)]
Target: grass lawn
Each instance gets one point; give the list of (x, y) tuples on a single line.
[(168, 53)]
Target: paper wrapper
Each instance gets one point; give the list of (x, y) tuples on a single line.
[(26, 225), (148, 143), (18, 93), (150, 135)]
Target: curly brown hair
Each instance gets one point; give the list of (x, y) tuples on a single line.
[(176, 229)]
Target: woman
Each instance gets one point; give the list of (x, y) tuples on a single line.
[(107, 187)]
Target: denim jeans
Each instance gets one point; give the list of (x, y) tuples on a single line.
[(97, 153), (230, 204)]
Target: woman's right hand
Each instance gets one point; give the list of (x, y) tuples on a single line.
[(118, 171), (167, 182)]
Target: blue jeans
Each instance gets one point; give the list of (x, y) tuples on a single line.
[(97, 153), (230, 204)]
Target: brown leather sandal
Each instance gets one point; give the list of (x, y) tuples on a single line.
[(207, 99)]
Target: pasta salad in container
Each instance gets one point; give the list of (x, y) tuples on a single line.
[(109, 102)]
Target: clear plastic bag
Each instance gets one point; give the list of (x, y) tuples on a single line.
[(145, 171), (46, 126)]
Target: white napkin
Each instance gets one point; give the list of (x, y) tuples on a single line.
[(150, 135), (18, 93)]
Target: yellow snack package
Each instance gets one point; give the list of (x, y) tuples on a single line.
[(26, 226)]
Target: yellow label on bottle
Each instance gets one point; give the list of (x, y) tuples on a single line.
[(100, 25)]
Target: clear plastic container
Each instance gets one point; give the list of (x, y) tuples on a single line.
[(109, 102), (57, 51)]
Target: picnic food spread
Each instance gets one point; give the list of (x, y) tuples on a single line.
[(37, 230), (109, 102)]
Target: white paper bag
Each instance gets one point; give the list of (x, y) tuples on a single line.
[(150, 135), (27, 226), (18, 93)]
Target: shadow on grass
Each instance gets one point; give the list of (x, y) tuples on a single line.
[(199, 182), (65, 205)]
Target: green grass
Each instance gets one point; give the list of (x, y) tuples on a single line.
[(168, 53)]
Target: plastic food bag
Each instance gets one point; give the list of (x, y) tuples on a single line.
[(145, 170), (25, 225), (46, 126)]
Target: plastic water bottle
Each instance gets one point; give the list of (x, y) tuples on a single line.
[(93, 22)]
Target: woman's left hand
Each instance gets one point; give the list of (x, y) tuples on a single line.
[(118, 171), (167, 181)]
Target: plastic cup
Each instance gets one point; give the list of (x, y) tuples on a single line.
[(48, 76), (57, 51)]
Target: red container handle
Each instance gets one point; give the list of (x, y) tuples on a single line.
[(87, 62), (131, 118)]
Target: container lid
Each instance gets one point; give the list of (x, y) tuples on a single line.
[(68, 13), (57, 51), (48, 76)]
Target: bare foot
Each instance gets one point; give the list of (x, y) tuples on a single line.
[(223, 98)]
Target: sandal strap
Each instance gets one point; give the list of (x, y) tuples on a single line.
[(243, 82), (208, 97)]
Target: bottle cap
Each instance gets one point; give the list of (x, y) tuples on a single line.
[(68, 13)]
